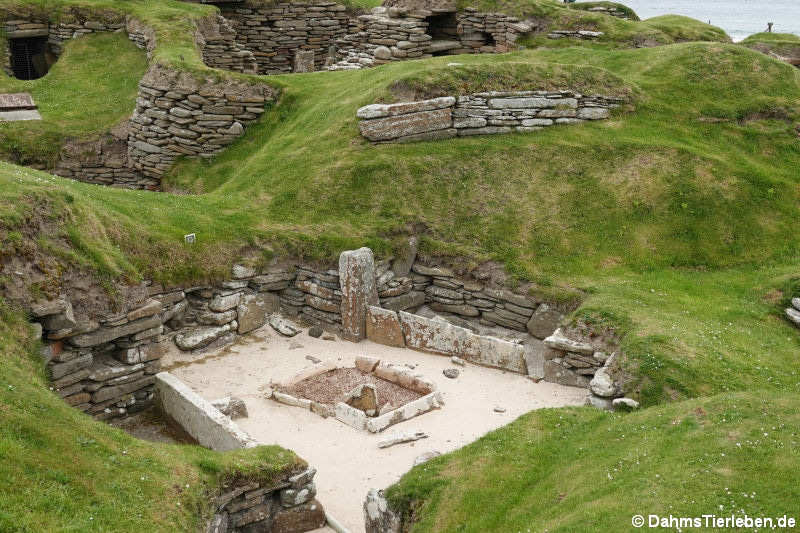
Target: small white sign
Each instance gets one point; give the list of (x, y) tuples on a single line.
[(190, 238)]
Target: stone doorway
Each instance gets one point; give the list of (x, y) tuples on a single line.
[(30, 57), (443, 27)]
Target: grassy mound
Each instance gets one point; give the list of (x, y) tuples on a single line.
[(621, 8), (772, 38), (510, 76), (577, 470), (785, 45), (79, 98), (62, 471), (616, 32)]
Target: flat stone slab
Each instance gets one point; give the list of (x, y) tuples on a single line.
[(392, 127), (16, 101), (17, 116)]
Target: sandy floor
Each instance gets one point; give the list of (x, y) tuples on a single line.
[(348, 461)]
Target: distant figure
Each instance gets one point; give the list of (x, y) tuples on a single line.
[(769, 27)]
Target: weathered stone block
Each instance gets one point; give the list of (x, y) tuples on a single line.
[(254, 310), (357, 279), (531, 103), (351, 416), (392, 127), (202, 336), (544, 321), (383, 327), (103, 335), (59, 370), (593, 113), (390, 110), (107, 393), (429, 335), (558, 341), (222, 303), (555, 373), (306, 517), (409, 300)]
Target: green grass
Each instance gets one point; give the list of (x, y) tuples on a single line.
[(509, 76), (62, 471), (576, 470), (79, 98), (692, 189)]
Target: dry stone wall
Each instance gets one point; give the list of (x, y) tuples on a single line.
[(105, 366), (480, 114), (286, 506), (276, 33), (395, 33), (179, 115), (216, 39)]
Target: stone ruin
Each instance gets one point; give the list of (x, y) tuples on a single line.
[(482, 113), (105, 364)]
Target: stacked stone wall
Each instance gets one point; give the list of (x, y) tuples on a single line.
[(276, 33), (102, 161), (104, 366), (179, 115), (480, 114), (395, 34), (216, 39), (287, 505)]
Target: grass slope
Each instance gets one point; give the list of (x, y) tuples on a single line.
[(576, 470), (62, 471), (78, 98)]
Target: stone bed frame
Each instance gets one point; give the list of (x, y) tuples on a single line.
[(482, 113), (356, 418)]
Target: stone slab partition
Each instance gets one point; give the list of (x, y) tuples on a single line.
[(480, 114), (201, 420), (357, 275)]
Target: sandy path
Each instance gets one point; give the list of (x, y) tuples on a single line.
[(348, 461)]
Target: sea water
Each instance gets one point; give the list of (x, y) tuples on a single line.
[(739, 18)]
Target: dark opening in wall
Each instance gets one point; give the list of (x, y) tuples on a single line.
[(443, 27), (29, 57)]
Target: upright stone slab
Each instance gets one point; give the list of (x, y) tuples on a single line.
[(357, 278), (304, 61), (383, 327)]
